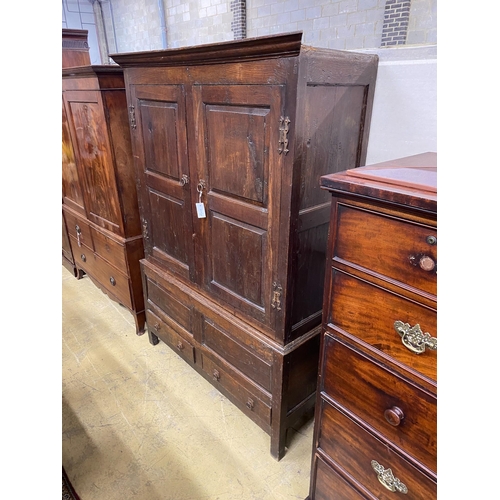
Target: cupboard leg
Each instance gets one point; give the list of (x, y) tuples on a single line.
[(153, 339), (278, 444)]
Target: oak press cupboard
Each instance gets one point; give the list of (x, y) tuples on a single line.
[(375, 429), (100, 207), (229, 142)]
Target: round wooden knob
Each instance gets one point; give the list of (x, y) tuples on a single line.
[(394, 415), (426, 263)]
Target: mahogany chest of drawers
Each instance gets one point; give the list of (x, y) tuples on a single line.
[(376, 410)]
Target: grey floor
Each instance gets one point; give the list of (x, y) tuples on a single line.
[(139, 423)]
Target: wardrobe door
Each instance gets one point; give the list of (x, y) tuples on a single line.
[(92, 147), (238, 167), (160, 146)]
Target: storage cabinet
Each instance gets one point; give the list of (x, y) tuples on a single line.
[(229, 142), (100, 206), (376, 410)]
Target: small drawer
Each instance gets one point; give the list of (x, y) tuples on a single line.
[(363, 456), (254, 402), (392, 247), (236, 354), (109, 250), (170, 305), (327, 481), (84, 257), (79, 230), (113, 280), (400, 411), (371, 313), (164, 332)]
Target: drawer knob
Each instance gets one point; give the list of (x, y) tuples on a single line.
[(414, 339), (250, 404), (157, 326), (84, 259), (394, 415), (387, 479), (112, 281), (216, 375), (180, 346), (425, 262), (432, 240)]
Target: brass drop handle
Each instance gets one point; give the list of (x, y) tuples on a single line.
[(78, 235), (250, 404), (112, 281), (387, 479), (184, 180), (180, 346), (394, 415), (216, 375), (414, 339)]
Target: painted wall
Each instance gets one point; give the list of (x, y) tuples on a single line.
[(404, 119)]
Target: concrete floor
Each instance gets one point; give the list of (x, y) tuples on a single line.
[(139, 423)]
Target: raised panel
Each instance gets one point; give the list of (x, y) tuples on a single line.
[(96, 166), (334, 118), (237, 151), (71, 189), (237, 258), (168, 232), (158, 126)]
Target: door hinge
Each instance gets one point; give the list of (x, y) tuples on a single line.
[(283, 141), (276, 300), (131, 110)]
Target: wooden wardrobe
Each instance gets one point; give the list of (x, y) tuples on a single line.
[(100, 207), (230, 141)]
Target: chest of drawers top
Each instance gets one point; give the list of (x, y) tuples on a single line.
[(409, 181)]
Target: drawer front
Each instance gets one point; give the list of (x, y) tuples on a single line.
[(369, 313), (397, 409), (253, 402), (397, 249), (113, 280), (236, 354), (163, 331), (110, 250), (176, 310), (330, 485), (354, 449), (79, 229), (84, 257)]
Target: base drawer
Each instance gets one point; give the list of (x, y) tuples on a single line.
[(399, 410), (113, 281), (329, 485), (363, 456), (164, 332), (110, 250), (256, 403)]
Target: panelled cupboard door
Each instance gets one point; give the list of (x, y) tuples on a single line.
[(238, 174), (92, 145), (159, 136)]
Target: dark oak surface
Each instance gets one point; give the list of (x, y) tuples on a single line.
[(245, 128), (377, 399), (100, 204)]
